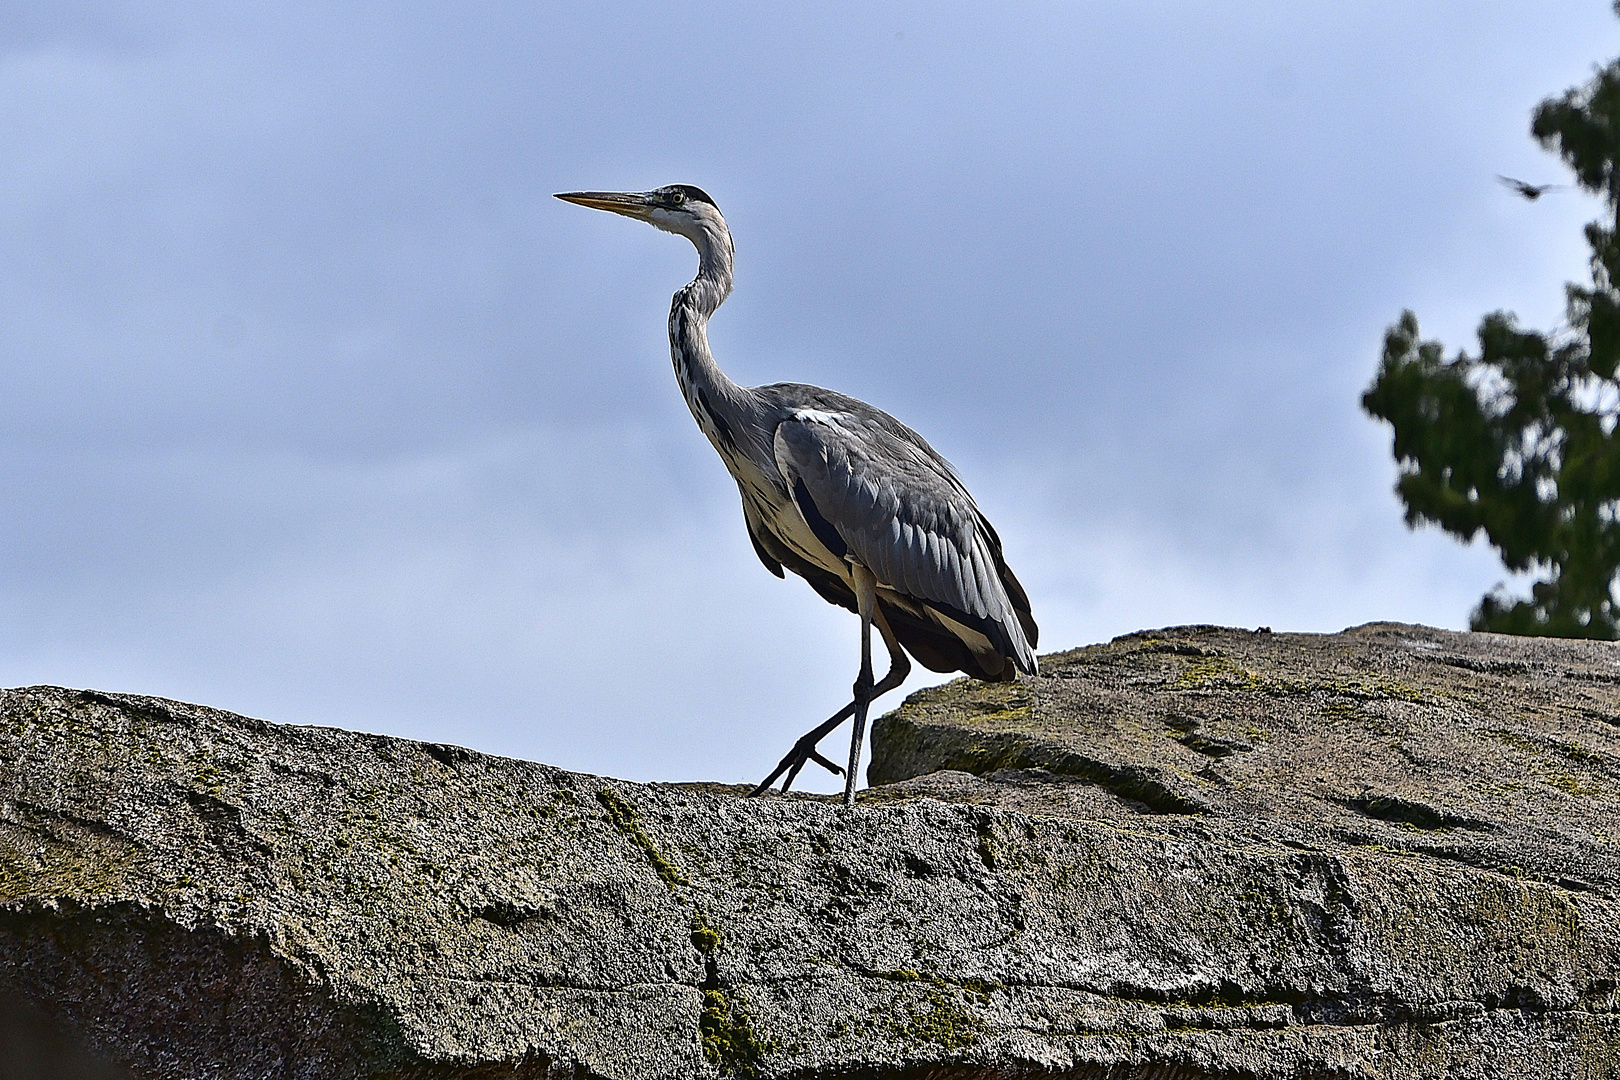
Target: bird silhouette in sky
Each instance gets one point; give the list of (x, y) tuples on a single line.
[(1531, 192)]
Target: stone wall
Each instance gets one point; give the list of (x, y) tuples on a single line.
[(1186, 853)]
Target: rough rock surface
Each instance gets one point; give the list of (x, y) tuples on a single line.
[(1188, 853)]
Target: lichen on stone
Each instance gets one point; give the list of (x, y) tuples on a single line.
[(726, 1031), (705, 938), (624, 818)]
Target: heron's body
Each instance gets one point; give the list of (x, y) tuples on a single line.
[(842, 494)]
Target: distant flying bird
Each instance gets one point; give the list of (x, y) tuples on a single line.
[(1532, 192), (842, 494)]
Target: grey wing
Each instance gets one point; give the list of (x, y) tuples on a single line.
[(870, 492)]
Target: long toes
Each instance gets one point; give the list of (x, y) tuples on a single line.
[(791, 765), (837, 770), (771, 779)]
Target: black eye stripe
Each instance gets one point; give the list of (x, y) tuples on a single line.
[(679, 193)]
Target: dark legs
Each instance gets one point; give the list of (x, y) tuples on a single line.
[(866, 601), (805, 749)]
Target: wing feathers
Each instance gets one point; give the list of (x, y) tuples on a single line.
[(870, 494)]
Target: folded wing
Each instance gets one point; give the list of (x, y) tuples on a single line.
[(873, 490)]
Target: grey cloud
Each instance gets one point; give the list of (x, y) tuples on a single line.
[(314, 404)]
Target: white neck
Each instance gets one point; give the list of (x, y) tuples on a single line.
[(723, 409)]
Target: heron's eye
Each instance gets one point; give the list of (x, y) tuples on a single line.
[(676, 198)]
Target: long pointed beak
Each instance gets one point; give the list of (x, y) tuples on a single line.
[(629, 203)]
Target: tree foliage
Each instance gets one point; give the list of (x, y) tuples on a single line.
[(1518, 440)]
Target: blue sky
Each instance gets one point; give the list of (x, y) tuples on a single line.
[(315, 405)]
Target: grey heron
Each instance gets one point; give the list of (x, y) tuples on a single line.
[(842, 494)]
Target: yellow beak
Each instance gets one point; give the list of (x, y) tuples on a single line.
[(629, 203)]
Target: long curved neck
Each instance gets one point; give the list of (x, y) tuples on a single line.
[(709, 289), (720, 406)]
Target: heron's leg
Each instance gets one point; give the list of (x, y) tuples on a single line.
[(866, 601), (805, 749), (899, 668)]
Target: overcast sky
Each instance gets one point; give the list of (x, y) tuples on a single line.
[(314, 404)]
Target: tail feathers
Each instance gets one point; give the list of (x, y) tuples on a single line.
[(937, 649)]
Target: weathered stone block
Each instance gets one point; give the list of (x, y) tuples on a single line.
[(1189, 853)]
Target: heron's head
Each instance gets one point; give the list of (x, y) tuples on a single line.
[(677, 208)]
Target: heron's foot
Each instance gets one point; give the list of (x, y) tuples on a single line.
[(803, 751)]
